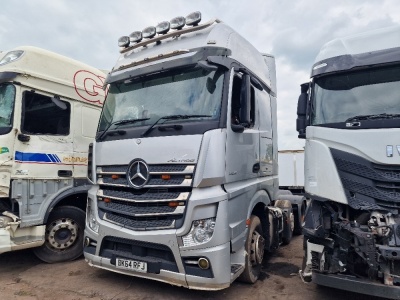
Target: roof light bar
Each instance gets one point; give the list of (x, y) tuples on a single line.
[(178, 23), (136, 37), (163, 27), (149, 32), (194, 18), (123, 41)]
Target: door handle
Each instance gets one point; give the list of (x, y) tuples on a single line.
[(64, 173)]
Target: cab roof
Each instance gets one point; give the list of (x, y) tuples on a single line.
[(45, 70)]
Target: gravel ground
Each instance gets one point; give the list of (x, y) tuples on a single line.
[(23, 276)]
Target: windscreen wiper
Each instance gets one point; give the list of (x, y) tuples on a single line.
[(373, 117), (172, 117), (120, 122)]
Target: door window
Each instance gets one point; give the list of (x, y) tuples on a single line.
[(45, 115)]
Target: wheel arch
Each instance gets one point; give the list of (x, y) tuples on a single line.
[(260, 202), (76, 197)]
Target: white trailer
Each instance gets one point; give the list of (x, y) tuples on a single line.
[(49, 107), (291, 170)]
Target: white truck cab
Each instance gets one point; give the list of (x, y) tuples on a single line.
[(49, 107), (349, 115)]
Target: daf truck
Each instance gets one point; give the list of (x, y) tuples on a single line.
[(349, 115), (49, 108), (184, 164)]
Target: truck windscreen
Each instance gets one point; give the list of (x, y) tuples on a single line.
[(7, 98), (366, 94), (187, 91)]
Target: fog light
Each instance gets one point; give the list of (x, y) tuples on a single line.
[(135, 37), (123, 41), (163, 27), (194, 18), (178, 23), (87, 242), (204, 263), (149, 32)]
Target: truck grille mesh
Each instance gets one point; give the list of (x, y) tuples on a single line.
[(159, 204), (368, 185)]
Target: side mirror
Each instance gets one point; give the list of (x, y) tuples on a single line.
[(237, 128), (56, 100), (301, 122)]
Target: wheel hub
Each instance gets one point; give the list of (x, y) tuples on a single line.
[(62, 233), (257, 248)]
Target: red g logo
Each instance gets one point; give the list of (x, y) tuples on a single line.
[(89, 86)]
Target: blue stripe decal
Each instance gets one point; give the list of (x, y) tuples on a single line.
[(36, 157)]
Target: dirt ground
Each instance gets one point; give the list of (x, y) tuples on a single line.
[(24, 277)]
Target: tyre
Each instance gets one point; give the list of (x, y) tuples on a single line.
[(64, 235), (255, 244), (299, 219), (288, 226)]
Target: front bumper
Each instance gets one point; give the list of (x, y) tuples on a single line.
[(357, 285), (219, 258)]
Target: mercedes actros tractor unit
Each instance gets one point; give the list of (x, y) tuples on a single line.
[(184, 164)]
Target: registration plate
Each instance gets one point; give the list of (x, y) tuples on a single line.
[(133, 265)]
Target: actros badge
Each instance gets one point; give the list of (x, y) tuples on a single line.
[(138, 173)]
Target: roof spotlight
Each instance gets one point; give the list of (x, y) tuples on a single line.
[(123, 41), (163, 27), (149, 32), (135, 37), (194, 18), (178, 23)]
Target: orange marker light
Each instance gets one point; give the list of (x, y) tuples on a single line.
[(165, 177), (173, 204), (107, 200), (115, 176), (247, 222)]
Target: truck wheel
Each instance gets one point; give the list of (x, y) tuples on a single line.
[(254, 247), (64, 235), (299, 219)]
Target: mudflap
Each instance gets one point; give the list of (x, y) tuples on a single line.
[(357, 285)]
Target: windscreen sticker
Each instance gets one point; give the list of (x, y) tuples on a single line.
[(4, 150)]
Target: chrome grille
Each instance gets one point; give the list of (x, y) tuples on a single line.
[(160, 204)]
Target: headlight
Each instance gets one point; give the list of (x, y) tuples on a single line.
[(91, 219), (200, 233)]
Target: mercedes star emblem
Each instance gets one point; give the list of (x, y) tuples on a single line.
[(137, 174)]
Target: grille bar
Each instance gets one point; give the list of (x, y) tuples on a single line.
[(144, 198)]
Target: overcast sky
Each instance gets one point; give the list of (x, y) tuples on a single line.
[(293, 31)]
